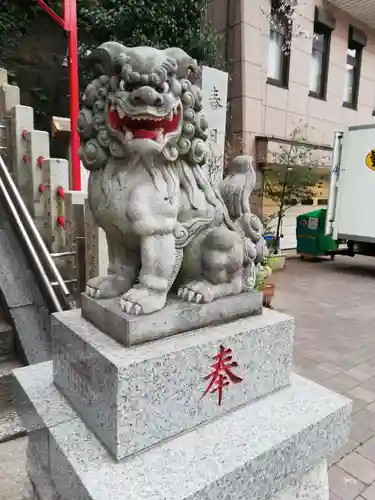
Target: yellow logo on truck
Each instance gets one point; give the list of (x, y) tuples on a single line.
[(370, 160)]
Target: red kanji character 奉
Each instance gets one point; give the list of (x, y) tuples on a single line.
[(222, 374)]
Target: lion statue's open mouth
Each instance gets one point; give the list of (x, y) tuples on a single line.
[(145, 126)]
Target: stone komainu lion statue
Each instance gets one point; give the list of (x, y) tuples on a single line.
[(143, 139)]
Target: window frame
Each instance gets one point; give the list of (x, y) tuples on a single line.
[(326, 31), (356, 62), (285, 31)]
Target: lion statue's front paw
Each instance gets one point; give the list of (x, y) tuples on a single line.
[(197, 291), (140, 300), (106, 287)]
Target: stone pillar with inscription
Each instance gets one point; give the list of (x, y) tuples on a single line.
[(171, 382), (214, 84)]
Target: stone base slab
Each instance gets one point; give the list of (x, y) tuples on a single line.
[(135, 397), (177, 316), (312, 485), (254, 452)]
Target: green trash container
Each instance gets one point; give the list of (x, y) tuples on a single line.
[(310, 235)]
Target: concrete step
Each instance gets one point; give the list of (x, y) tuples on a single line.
[(7, 341), (10, 424)]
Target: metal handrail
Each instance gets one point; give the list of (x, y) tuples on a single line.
[(61, 255), (3, 127), (27, 241), (72, 281), (21, 208)]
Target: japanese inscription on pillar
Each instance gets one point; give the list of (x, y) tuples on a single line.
[(215, 99), (215, 91)]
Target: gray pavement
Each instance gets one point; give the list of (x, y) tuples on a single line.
[(333, 304), (13, 476)]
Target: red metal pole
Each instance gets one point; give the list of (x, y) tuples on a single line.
[(69, 24), (70, 17)]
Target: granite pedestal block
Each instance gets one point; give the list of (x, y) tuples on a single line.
[(177, 317), (272, 448), (135, 397), (37, 465), (312, 485)]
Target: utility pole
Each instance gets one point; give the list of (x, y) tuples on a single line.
[(69, 23)]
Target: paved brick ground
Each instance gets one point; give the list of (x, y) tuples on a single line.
[(333, 303)]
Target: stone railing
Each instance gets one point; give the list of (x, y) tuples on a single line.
[(43, 183)]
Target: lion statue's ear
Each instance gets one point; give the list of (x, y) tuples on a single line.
[(186, 65), (106, 59)]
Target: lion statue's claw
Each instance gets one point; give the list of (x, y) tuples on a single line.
[(106, 287), (196, 291), (93, 292), (189, 295), (141, 300), (130, 307)]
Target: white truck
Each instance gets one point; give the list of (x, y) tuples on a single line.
[(351, 204)]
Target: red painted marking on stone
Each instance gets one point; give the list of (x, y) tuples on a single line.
[(222, 374), (60, 192), (61, 221)]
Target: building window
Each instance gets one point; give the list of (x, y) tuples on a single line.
[(357, 40), (279, 44), (308, 201), (323, 26)]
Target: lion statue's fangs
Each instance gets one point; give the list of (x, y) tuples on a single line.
[(143, 139)]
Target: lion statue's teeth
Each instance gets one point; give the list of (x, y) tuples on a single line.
[(120, 112)]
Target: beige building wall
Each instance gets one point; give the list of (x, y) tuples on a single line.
[(259, 108)]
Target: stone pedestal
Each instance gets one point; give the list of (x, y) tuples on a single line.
[(133, 398), (145, 422), (177, 316)]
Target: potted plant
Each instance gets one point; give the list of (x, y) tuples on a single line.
[(268, 292), (267, 289), (277, 258), (277, 261)]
